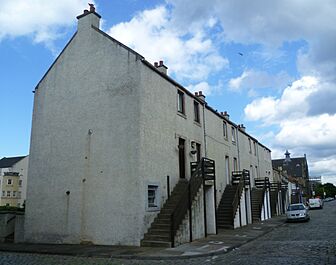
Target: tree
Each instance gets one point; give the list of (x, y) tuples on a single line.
[(328, 188)]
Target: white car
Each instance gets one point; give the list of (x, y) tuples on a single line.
[(316, 203), (297, 212)]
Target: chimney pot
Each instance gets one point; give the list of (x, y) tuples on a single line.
[(92, 8), (161, 63), (156, 64), (200, 93), (86, 11), (196, 94)]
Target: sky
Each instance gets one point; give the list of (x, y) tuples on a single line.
[(270, 64)]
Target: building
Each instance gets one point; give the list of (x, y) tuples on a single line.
[(124, 155), (13, 180), (296, 170)]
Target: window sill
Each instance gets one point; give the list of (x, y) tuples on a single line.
[(182, 115), (153, 209), (197, 123)]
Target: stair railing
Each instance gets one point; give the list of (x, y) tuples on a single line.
[(238, 193), (184, 202)]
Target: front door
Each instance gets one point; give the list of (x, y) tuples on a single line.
[(181, 147)]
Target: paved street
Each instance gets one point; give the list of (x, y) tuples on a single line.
[(294, 243)]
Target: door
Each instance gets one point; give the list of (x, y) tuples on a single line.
[(181, 147)]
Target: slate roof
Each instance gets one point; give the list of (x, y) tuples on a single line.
[(10, 161)]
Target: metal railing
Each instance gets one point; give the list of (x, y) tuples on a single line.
[(200, 171)]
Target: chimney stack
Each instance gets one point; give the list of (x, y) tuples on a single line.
[(226, 115), (200, 95), (161, 67), (87, 19), (242, 127)]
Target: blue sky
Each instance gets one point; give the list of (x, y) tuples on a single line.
[(270, 64)]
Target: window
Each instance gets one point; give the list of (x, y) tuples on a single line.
[(3, 193), (180, 102), (20, 182), (255, 148), (152, 197), (8, 193), (9, 182), (225, 129), (19, 194), (196, 112), (233, 132), (250, 146), (14, 193), (235, 164)]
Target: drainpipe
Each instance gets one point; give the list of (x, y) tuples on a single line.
[(204, 133), (237, 132)]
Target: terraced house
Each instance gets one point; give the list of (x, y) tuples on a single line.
[(124, 155)]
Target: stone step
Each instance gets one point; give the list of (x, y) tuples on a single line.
[(153, 243)]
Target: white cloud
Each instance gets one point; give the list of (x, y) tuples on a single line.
[(310, 132), (253, 79), (291, 105), (41, 20), (189, 55)]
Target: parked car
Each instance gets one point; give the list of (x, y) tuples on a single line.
[(297, 212), (328, 199), (316, 203)]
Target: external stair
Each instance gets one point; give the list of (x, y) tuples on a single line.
[(159, 234)]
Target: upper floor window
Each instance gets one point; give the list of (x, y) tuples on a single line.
[(250, 146), (20, 182), (8, 193), (9, 182), (255, 148), (180, 102), (196, 112), (3, 193), (225, 129), (14, 193), (233, 133)]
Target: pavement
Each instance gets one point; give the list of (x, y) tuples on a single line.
[(225, 241)]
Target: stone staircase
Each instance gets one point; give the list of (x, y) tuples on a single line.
[(257, 200), (225, 216), (159, 234)]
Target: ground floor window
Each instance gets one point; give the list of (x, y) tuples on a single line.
[(153, 197)]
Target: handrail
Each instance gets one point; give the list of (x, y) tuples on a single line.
[(178, 213), (237, 196)]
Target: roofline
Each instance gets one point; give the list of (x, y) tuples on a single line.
[(139, 56), (169, 79), (51, 66)]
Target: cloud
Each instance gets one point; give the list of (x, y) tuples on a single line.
[(41, 20), (291, 105), (189, 55), (253, 79), (206, 88)]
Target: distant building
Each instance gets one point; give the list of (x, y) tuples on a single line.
[(13, 180), (313, 182), (296, 170)]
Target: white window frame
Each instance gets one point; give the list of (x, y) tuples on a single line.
[(8, 193), (233, 134), (156, 204), (225, 133), (180, 102), (9, 182), (20, 182)]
